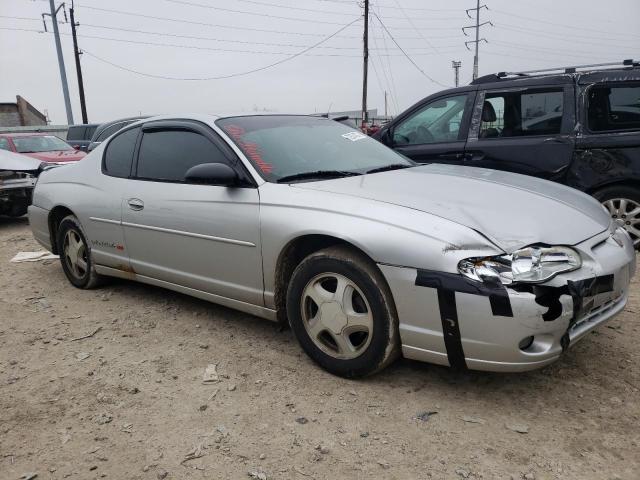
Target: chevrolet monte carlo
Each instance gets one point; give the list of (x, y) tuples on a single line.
[(365, 254)]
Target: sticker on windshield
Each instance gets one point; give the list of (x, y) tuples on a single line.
[(354, 136)]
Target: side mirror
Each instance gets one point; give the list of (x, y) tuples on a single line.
[(212, 174)]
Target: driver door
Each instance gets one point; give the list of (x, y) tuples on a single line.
[(436, 130)]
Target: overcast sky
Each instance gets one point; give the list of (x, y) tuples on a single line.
[(526, 34)]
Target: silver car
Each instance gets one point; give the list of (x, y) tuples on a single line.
[(365, 254)]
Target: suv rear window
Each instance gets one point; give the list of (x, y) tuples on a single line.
[(613, 108), (521, 114), (77, 133)]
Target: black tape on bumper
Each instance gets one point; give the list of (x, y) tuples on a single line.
[(447, 284)]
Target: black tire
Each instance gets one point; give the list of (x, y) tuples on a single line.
[(630, 194), (88, 278), (384, 346)]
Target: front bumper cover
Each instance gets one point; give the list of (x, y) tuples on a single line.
[(448, 319)]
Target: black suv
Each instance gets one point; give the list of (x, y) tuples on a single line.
[(579, 128)]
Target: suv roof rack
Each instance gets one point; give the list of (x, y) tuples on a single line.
[(571, 69)]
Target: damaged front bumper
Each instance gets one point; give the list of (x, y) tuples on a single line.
[(16, 190), (450, 320)]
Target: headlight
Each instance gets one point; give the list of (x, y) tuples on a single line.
[(528, 265)]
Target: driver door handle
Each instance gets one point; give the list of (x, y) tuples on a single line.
[(451, 156), (135, 204)]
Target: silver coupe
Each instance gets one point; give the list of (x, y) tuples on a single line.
[(365, 254)]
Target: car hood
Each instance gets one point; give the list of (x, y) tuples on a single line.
[(18, 163), (511, 210), (60, 156)]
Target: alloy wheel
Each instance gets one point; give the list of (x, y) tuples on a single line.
[(75, 254), (337, 316), (626, 213)]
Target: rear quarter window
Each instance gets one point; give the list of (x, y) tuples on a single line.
[(613, 108), (118, 155)]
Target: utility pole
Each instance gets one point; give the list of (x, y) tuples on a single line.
[(76, 53), (478, 39), (456, 67), (365, 66), (63, 73), (385, 103)]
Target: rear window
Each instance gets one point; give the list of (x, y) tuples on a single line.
[(77, 133), (613, 108)]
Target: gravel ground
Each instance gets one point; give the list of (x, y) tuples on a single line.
[(129, 401)]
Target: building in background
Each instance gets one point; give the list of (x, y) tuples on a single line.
[(20, 114)]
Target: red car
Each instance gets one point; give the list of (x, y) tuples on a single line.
[(41, 146)]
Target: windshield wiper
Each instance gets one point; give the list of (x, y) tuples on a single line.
[(393, 166), (317, 174)]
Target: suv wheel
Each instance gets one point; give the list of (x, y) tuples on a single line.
[(75, 254), (342, 313), (623, 203)]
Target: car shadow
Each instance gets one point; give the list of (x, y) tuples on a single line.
[(13, 221), (414, 376)]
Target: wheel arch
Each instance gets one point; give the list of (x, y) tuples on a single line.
[(293, 253), (55, 217), (629, 183)]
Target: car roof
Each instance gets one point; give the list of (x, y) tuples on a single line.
[(212, 117), (81, 125), (508, 79)]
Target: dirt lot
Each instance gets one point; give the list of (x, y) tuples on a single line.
[(129, 402)]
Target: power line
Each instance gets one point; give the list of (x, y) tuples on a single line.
[(257, 14), (291, 7), (393, 90), (388, 85), (191, 22), (217, 25), (196, 47), (214, 39), (220, 77), (562, 37), (413, 25), (407, 55), (563, 25)]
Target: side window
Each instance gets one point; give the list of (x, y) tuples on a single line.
[(4, 144), (521, 114), (166, 155), (119, 153), (613, 108), (438, 121)]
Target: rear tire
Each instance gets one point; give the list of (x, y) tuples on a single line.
[(342, 313), (623, 204), (75, 254)]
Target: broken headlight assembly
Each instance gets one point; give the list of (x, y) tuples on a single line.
[(534, 264)]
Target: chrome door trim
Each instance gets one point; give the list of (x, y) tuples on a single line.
[(105, 220), (190, 234)]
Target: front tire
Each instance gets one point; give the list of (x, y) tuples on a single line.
[(623, 204), (342, 312), (75, 254)]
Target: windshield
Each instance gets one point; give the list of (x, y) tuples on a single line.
[(281, 146), (40, 143)]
